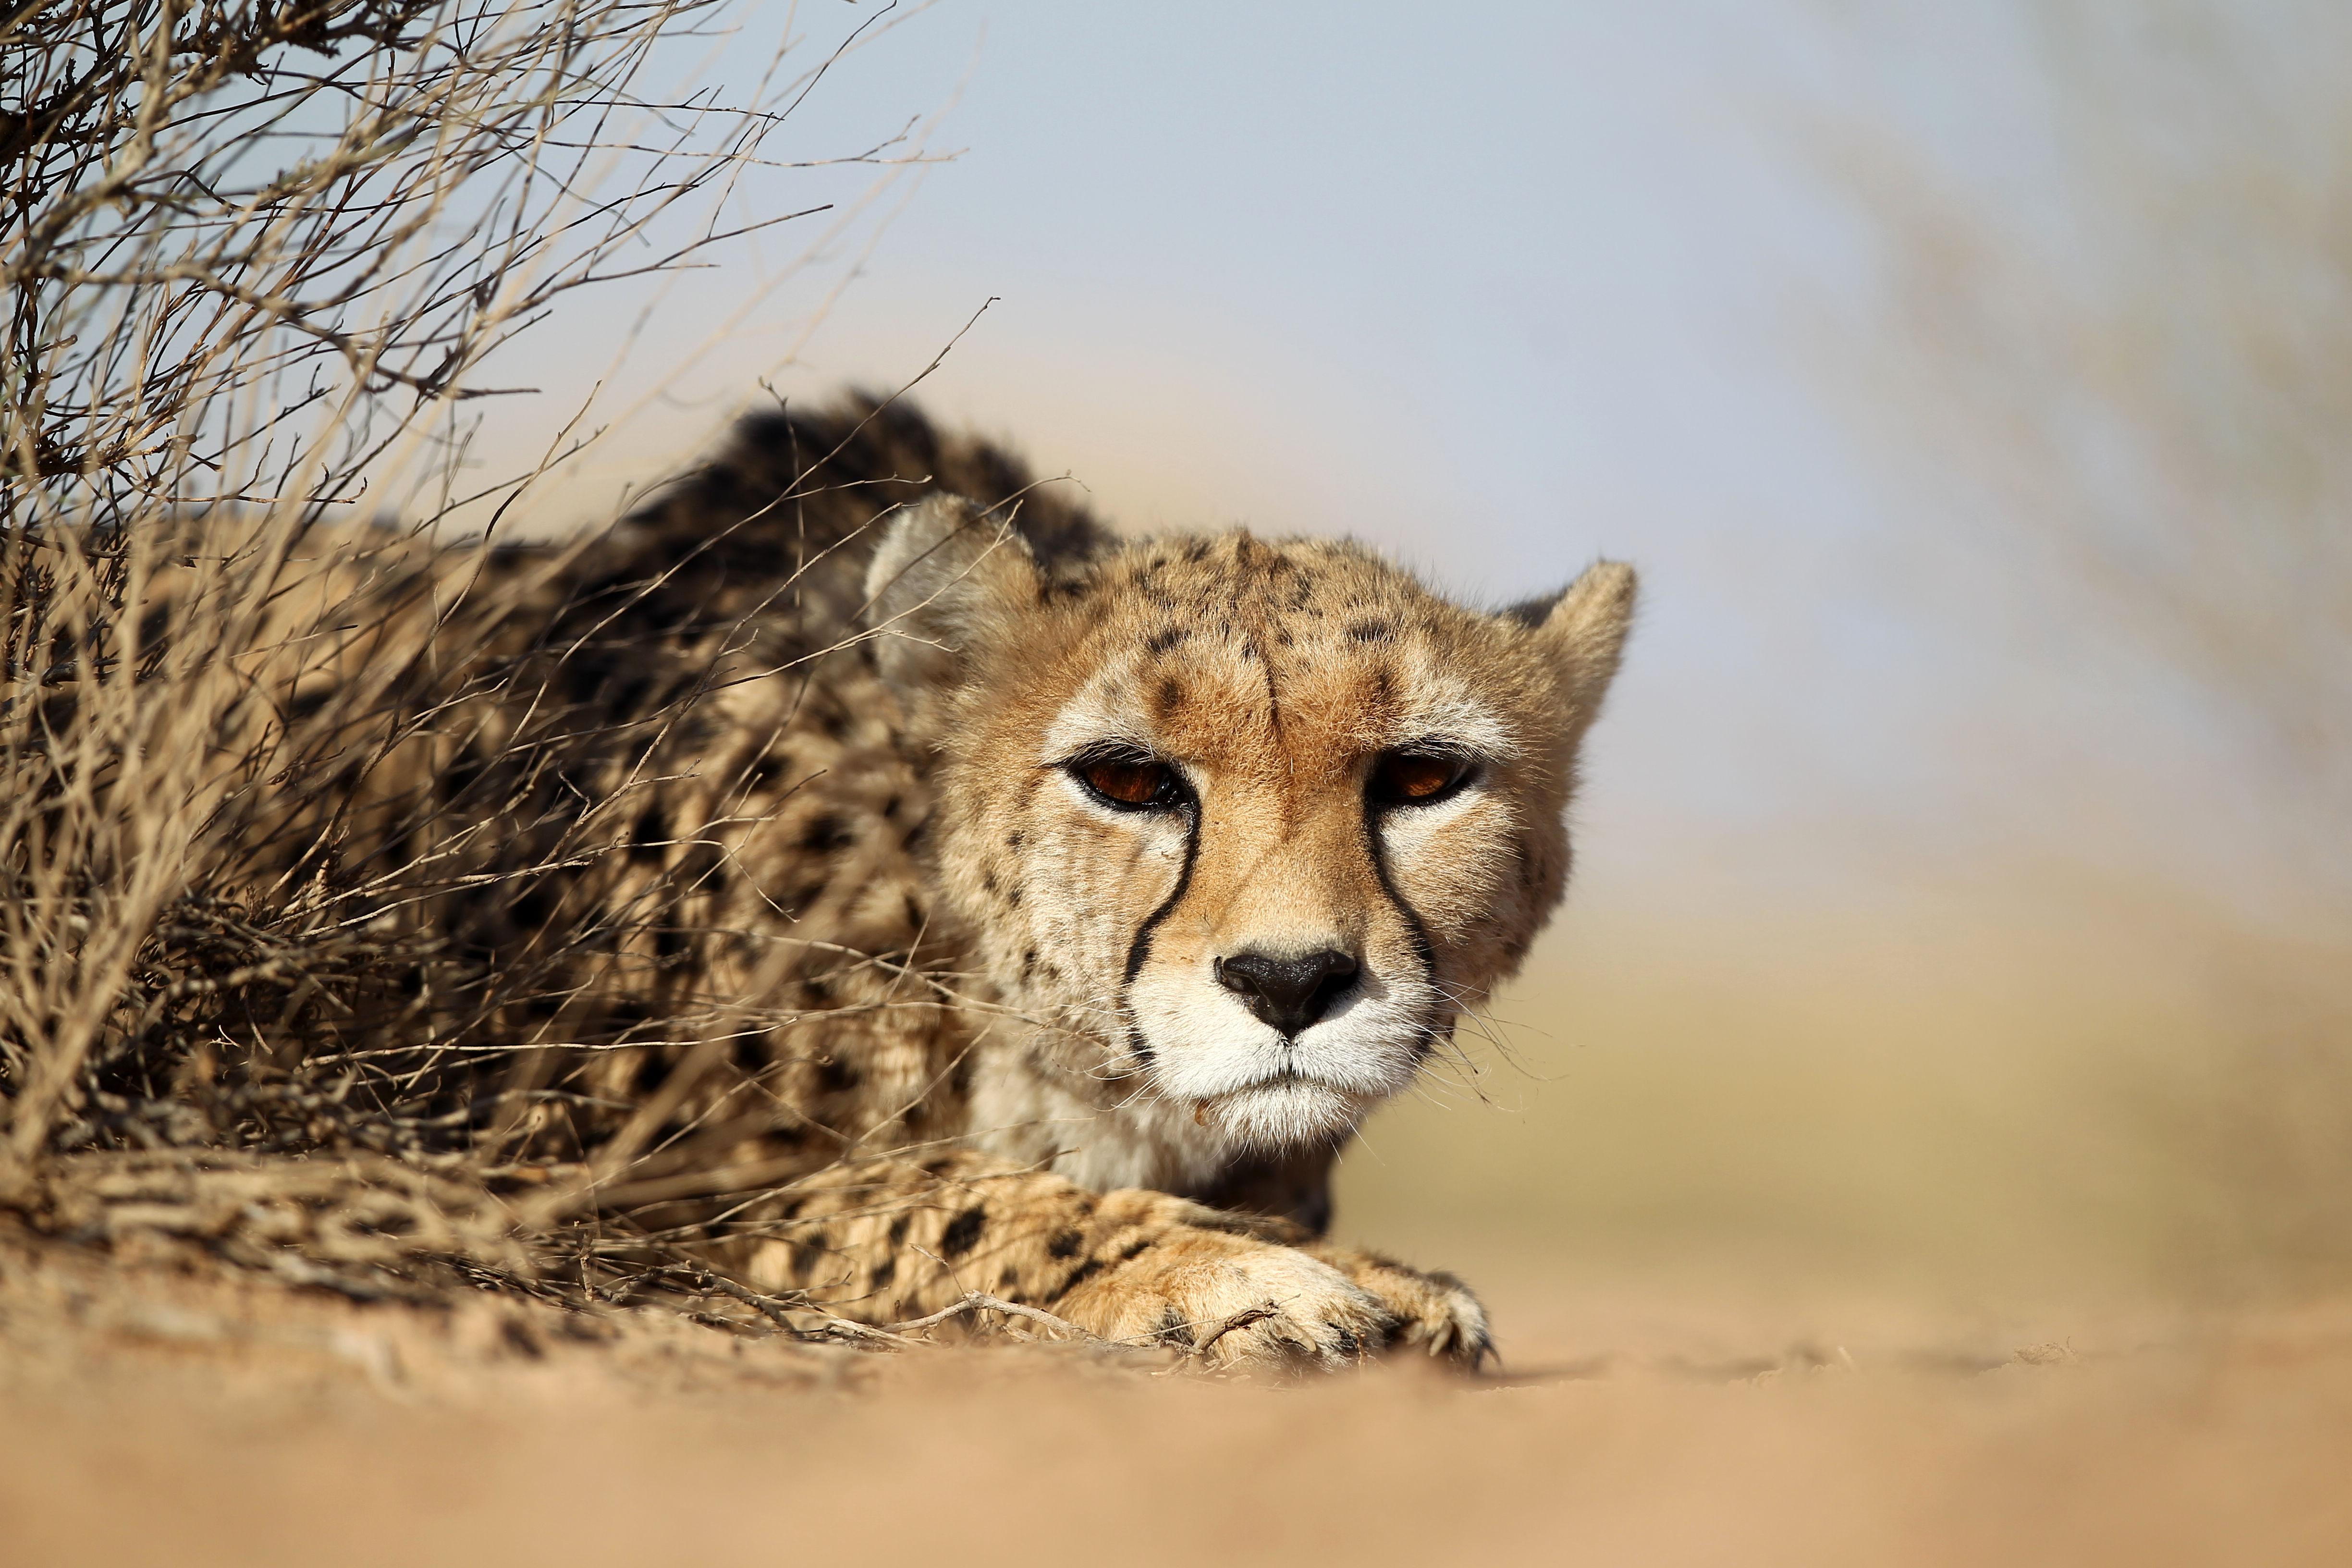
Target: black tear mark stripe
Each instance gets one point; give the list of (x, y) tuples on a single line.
[(1421, 949), (1139, 950)]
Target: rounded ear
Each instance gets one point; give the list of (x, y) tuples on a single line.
[(1583, 630), (941, 573)]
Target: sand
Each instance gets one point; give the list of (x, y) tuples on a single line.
[(148, 1418)]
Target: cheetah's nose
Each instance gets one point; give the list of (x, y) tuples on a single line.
[(1289, 993)]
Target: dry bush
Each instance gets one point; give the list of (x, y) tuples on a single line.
[(2152, 383), (2147, 386), (256, 256)]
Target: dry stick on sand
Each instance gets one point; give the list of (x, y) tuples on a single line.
[(975, 1300), (978, 1300)]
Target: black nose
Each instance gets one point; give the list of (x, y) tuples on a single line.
[(1289, 993)]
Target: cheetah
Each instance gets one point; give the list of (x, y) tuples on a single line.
[(884, 872)]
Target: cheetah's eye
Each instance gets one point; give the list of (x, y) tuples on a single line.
[(1129, 783), (1418, 778)]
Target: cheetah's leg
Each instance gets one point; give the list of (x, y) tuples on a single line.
[(883, 1239)]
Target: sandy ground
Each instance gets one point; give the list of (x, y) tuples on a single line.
[(152, 1419)]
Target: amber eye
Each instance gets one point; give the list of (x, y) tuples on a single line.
[(1417, 778), (1131, 783)]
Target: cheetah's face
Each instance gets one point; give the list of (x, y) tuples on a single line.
[(1254, 822)]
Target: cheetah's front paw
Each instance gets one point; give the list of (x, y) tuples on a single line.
[(1237, 1301), (1432, 1312)]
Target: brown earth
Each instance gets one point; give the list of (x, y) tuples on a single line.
[(149, 1418)]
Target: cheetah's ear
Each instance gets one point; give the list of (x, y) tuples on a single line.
[(942, 576), (1583, 629)]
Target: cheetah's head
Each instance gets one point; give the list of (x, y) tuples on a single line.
[(1252, 822)]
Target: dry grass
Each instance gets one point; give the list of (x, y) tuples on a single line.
[(2131, 408), (2121, 417), (258, 260)]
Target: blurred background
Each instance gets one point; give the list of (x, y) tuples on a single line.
[(1964, 897)]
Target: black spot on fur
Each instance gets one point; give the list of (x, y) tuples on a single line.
[(834, 1076), (1135, 1247), (1065, 1244), (530, 910), (962, 1232), (465, 768), (1172, 695), (1173, 1329), (1081, 1274), (1370, 631), (884, 1272), (649, 836), (826, 833), (899, 1229), (1163, 639)]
